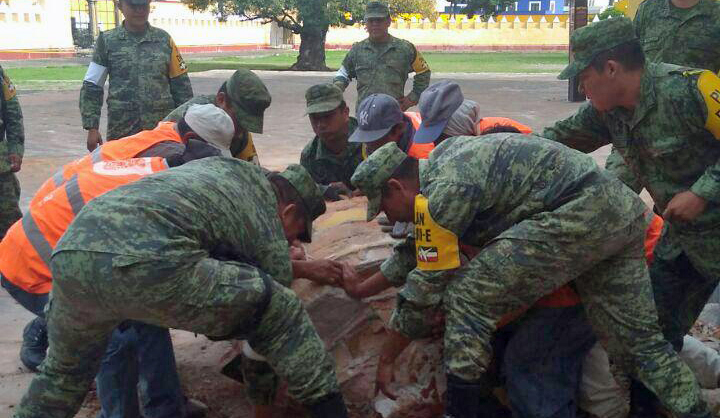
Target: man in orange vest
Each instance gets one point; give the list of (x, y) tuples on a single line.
[(446, 113), (26, 249)]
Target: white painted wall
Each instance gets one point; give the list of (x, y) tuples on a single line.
[(35, 24)]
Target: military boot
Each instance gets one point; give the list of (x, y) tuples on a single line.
[(35, 343), (332, 406)]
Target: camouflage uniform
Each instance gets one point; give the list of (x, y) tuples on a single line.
[(196, 248), (670, 145), (326, 167), (383, 67), (248, 97), (148, 79), (674, 36), (12, 141), (680, 36), (544, 215)]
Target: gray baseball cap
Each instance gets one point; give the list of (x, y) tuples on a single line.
[(437, 105), (376, 115)]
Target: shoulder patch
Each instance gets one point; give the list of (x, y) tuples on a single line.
[(177, 63), (8, 88), (709, 86), (436, 248), (420, 65)]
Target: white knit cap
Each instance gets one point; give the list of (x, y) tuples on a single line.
[(212, 124)]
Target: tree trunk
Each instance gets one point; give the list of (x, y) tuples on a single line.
[(312, 49)]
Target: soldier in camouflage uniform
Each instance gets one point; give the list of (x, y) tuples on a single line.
[(244, 97), (381, 63), (12, 147), (148, 77), (543, 216), (682, 32), (664, 121), (329, 158), (204, 248)]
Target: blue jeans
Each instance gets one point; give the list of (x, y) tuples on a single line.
[(138, 357), (540, 358)]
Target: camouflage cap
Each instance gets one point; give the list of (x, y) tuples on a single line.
[(587, 42), (322, 98), (376, 9), (249, 98), (312, 198), (371, 174)]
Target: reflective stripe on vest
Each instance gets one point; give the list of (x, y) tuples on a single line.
[(58, 178), (74, 195), (96, 155), (36, 238)]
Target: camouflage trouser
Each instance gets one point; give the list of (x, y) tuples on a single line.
[(93, 292), (9, 198), (610, 274), (684, 272)]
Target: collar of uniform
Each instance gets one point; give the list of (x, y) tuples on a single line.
[(389, 44), (322, 153), (704, 7), (647, 93), (151, 33)]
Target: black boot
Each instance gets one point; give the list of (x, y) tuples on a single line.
[(331, 406), (35, 343)]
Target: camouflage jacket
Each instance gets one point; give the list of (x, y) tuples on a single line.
[(148, 79), (215, 207), (326, 167), (241, 147), (683, 37), (11, 123), (479, 191), (665, 142), (384, 68)]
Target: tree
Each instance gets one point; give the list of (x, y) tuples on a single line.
[(483, 8), (610, 12), (311, 19)]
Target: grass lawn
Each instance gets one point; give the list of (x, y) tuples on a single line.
[(442, 62), (63, 77)]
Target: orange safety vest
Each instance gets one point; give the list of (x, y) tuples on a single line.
[(652, 236), (119, 149), (419, 151), (489, 122), (26, 249)]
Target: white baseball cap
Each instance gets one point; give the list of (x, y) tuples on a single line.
[(212, 124)]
